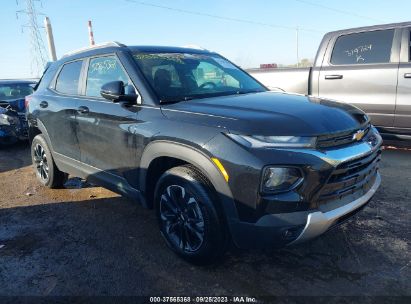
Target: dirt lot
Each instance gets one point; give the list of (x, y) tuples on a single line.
[(90, 241)]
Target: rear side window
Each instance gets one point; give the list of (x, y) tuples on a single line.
[(102, 70), (363, 48), (68, 79)]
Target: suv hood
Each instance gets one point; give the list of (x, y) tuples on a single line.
[(269, 113)]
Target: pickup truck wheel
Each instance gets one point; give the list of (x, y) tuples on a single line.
[(189, 221), (46, 170)]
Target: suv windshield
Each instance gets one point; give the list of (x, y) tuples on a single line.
[(184, 76), (15, 91)]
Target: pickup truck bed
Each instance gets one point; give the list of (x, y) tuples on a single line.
[(279, 79), (369, 67)]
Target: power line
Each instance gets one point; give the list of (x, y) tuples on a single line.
[(285, 27), (37, 48), (339, 10)]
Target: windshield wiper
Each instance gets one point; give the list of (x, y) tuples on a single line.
[(208, 95), (173, 100), (249, 91)]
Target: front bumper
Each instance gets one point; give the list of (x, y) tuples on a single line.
[(319, 222), (12, 133), (279, 230), (8, 135)]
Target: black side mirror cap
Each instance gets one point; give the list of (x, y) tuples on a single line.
[(115, 92)]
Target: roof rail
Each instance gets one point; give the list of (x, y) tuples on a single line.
[(194, 46), (96, 46)]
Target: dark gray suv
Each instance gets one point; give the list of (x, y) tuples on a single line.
[(190, 134)]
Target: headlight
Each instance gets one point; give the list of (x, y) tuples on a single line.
[(373, 138), (274, 141), (5, 120), (277, 179)]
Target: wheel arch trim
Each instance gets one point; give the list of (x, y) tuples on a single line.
[(164, 148), (40, 126)]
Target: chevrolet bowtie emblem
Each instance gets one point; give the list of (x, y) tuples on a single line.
[(358, 135)]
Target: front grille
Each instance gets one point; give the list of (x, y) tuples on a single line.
[(351, 178), (22, 117), (340, 139)]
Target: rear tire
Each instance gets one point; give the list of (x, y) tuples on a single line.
[(46, 170), (188, 215)]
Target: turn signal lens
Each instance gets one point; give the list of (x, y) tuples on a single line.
[(221, 168)]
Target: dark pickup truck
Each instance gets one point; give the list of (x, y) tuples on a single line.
[(217, 155), (369, 67)]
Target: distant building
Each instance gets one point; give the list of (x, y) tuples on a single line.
[(268, 66)]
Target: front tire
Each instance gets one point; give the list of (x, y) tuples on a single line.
[(46, 170), (188, 216)]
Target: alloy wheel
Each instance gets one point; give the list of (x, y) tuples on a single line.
[(182, 218), (40, 162)]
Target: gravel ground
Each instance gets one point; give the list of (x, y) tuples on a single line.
[(86, 241)]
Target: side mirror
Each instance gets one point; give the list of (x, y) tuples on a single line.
[(115, 92)]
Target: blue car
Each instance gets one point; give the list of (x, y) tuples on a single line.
[(13, 123)]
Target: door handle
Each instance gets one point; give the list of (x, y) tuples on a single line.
[(407, 75), (83, 110), (44, 104), (332, 77)]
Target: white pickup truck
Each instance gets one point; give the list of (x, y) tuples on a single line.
[(369, 67)]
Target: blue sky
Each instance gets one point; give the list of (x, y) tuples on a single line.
[(246, 44)]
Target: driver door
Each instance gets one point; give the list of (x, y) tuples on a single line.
[(108, 148)]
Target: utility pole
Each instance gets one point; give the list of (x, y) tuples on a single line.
[(50, 39), (297, 46), (90, 33), (37, 48)]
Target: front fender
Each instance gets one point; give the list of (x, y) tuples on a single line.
[(197, 158)]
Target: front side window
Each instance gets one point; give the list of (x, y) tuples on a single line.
[(101, 71), (183, 76), (363, 48), (68, 79)]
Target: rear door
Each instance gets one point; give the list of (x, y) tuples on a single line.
[(104, 128), (58, 109), (403, 109), (362, 69)]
